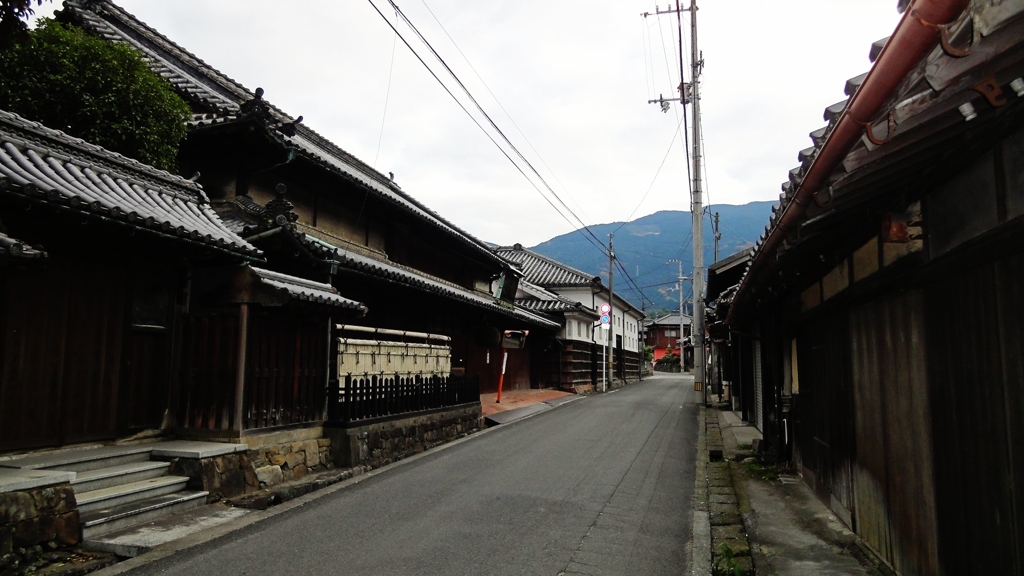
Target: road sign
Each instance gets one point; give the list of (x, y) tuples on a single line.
[(606, 316)]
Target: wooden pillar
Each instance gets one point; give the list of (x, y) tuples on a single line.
[(243, 343)]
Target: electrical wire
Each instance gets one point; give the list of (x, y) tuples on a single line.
[(507, 115), (629, 279), (475, 121), (585, 228), (387, 98), (653, 180)]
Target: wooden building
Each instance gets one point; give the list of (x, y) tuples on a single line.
[(879, 321), (90, 327), (669, 334), (578, 352), (321, 213)]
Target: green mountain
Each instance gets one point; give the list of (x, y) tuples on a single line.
[(645, 245)]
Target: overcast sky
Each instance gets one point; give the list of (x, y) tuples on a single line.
[(575, 77)]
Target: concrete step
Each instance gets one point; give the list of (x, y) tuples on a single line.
[(104, 520), (104, 498), (116, 475), (135, 540), (83, 460)]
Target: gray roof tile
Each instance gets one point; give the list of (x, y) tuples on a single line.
[(49, 166), (543, 271), (414, 278), (307, 290), (221, 96)]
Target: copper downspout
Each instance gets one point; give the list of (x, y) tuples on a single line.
[(915, 36)]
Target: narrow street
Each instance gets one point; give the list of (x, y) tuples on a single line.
[(602, 485)]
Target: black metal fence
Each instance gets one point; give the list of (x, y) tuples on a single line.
[(357, 398)]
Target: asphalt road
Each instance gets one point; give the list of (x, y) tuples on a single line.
[(602, 485)]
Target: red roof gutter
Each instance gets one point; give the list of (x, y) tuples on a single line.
[(915, 36)]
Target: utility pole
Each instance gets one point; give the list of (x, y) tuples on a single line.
[(611, 304), (679, 285), (697, 212), (690, 93), (718, 236)]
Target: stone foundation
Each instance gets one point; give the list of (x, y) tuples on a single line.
[(231, 475), (36, 518), (291, 461), (381, 443), (223, 476)]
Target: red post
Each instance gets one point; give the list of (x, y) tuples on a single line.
[(501, 379)]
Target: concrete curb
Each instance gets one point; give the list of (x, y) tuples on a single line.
[(727, 523), (700, 552)]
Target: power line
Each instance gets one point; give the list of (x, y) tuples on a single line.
[(653, 180), (387, 98), (475, 121), (596, 241), (500, 105)]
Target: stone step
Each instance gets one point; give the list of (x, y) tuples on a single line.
[(104, 520), (141, 538), (91, 480), (84, 459), (104, 498)]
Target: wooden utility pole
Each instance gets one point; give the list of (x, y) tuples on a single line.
[(697, 211), (690, 93), (611, 310), (718, 236)]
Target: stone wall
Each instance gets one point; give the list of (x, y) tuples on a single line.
[(291, 461), (378, 444), (223, 476), (241, 473), (36, 518)]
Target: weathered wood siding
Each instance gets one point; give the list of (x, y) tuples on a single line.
[(894, 489), (210, 366), (976, 369), (62, 353), (286, 372), (825, 429)]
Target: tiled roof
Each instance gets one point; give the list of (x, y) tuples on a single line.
[(416, 279), (670, 320), (48, 166), (543, 271), (307, 290), (221, 97), (553, 306), (14, 248), (542, 300), (915, 111)]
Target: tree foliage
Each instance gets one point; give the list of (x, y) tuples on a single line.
[(13, 14), (99, 91)]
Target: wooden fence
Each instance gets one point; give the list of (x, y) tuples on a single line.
[(362, 398)]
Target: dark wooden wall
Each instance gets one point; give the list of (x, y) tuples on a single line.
[(209, 369), (72, 366), (894, 500), (286, 369), (976, 372)]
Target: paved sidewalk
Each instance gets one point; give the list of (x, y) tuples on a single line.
[(512, 399), (789, 530)]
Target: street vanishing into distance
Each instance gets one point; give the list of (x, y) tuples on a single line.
[(601, 485)]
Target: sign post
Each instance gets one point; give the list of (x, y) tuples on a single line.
[(509, 339), (606, 324)]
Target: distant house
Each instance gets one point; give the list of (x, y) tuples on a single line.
[(582, 344), (876, 332), (664, 336)]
